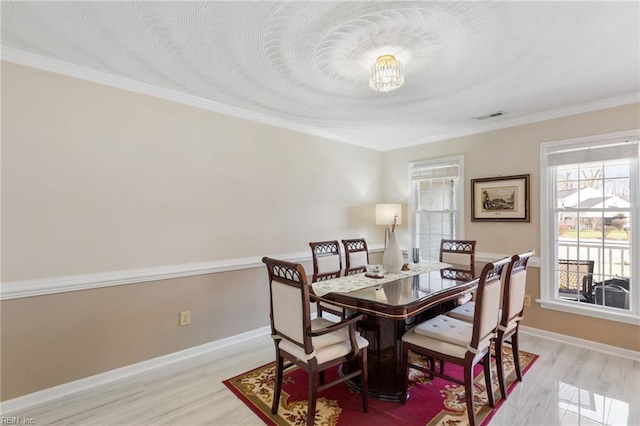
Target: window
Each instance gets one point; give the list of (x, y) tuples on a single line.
[(436, 190), (589, 211)]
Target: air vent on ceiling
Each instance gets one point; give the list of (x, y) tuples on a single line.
[(492, 115)]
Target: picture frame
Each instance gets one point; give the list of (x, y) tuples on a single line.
[(500, 199)]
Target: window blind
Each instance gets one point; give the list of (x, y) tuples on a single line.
[(616, 150), (425, 171)]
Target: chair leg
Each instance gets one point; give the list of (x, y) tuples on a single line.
[(432, 366), (500, 366), (516, 354), (488, 381), (313, 390), (364, 379), (468, 393), (278, 385)]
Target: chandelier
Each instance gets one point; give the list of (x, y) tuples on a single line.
[(386, 74)]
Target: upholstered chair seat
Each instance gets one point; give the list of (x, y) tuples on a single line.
[(451, 340), (326, 347), (463, 312)]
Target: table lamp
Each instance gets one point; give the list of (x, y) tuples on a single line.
[(384, 216)]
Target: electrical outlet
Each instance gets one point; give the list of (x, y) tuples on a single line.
[(527, 300), (184, 318)]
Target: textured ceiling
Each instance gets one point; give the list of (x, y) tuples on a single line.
[(304, 65)]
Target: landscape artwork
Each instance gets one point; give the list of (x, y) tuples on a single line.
[(502, 198)]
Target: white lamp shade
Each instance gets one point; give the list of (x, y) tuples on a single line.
[(386, 212)]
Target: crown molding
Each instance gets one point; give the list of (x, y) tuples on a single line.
[(59, 67), (52, 65), (629, 98)]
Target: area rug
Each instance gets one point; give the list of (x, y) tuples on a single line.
[(432, 401)]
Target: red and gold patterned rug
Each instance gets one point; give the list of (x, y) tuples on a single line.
[(432, 402)]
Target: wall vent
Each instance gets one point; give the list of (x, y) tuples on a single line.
[(492, 115)]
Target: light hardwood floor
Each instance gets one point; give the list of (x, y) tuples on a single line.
[(568, 385)]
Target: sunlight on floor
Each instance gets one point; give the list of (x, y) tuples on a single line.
[(583, 407)]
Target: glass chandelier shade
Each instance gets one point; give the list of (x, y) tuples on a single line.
[(386, 74)]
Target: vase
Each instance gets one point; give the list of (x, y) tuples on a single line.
[(392, 256)]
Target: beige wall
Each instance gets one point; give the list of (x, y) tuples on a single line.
[(51, 340), (97, 179), (515, 151)]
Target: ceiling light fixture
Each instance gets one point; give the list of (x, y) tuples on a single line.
[(386, 74)]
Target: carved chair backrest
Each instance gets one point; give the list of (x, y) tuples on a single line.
[(514, 290), (356, 253), (326, 256), (289, 302), (458, 252), (485, 320)]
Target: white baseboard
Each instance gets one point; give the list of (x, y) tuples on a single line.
[(82, 385), (101, 379), (588, 344)]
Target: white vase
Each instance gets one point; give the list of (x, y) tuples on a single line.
[(392, 256)]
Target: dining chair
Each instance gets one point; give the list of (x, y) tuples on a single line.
[(313, 345), (356, 253), (366, 326), (461, 254), (511, 313), (356, 256), (458, 252), (450, 340), (326, 259)]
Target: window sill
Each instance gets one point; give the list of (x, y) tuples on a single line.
[(606, 314)]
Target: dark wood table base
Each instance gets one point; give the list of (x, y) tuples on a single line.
[(384, 358), (392, 309)]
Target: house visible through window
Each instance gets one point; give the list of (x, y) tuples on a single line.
[(589, 214), (436, 188)]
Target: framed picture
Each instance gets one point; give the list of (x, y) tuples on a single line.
[(500, 199)]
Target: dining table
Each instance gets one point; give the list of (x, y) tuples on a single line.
[(392, 303)]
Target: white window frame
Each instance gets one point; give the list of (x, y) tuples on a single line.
[(548, 228), (415, 166)]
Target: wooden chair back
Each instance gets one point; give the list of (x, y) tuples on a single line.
[(487, 305), (514, 290), (356, 253), (289, 300), (458, 252), (326, 256)]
